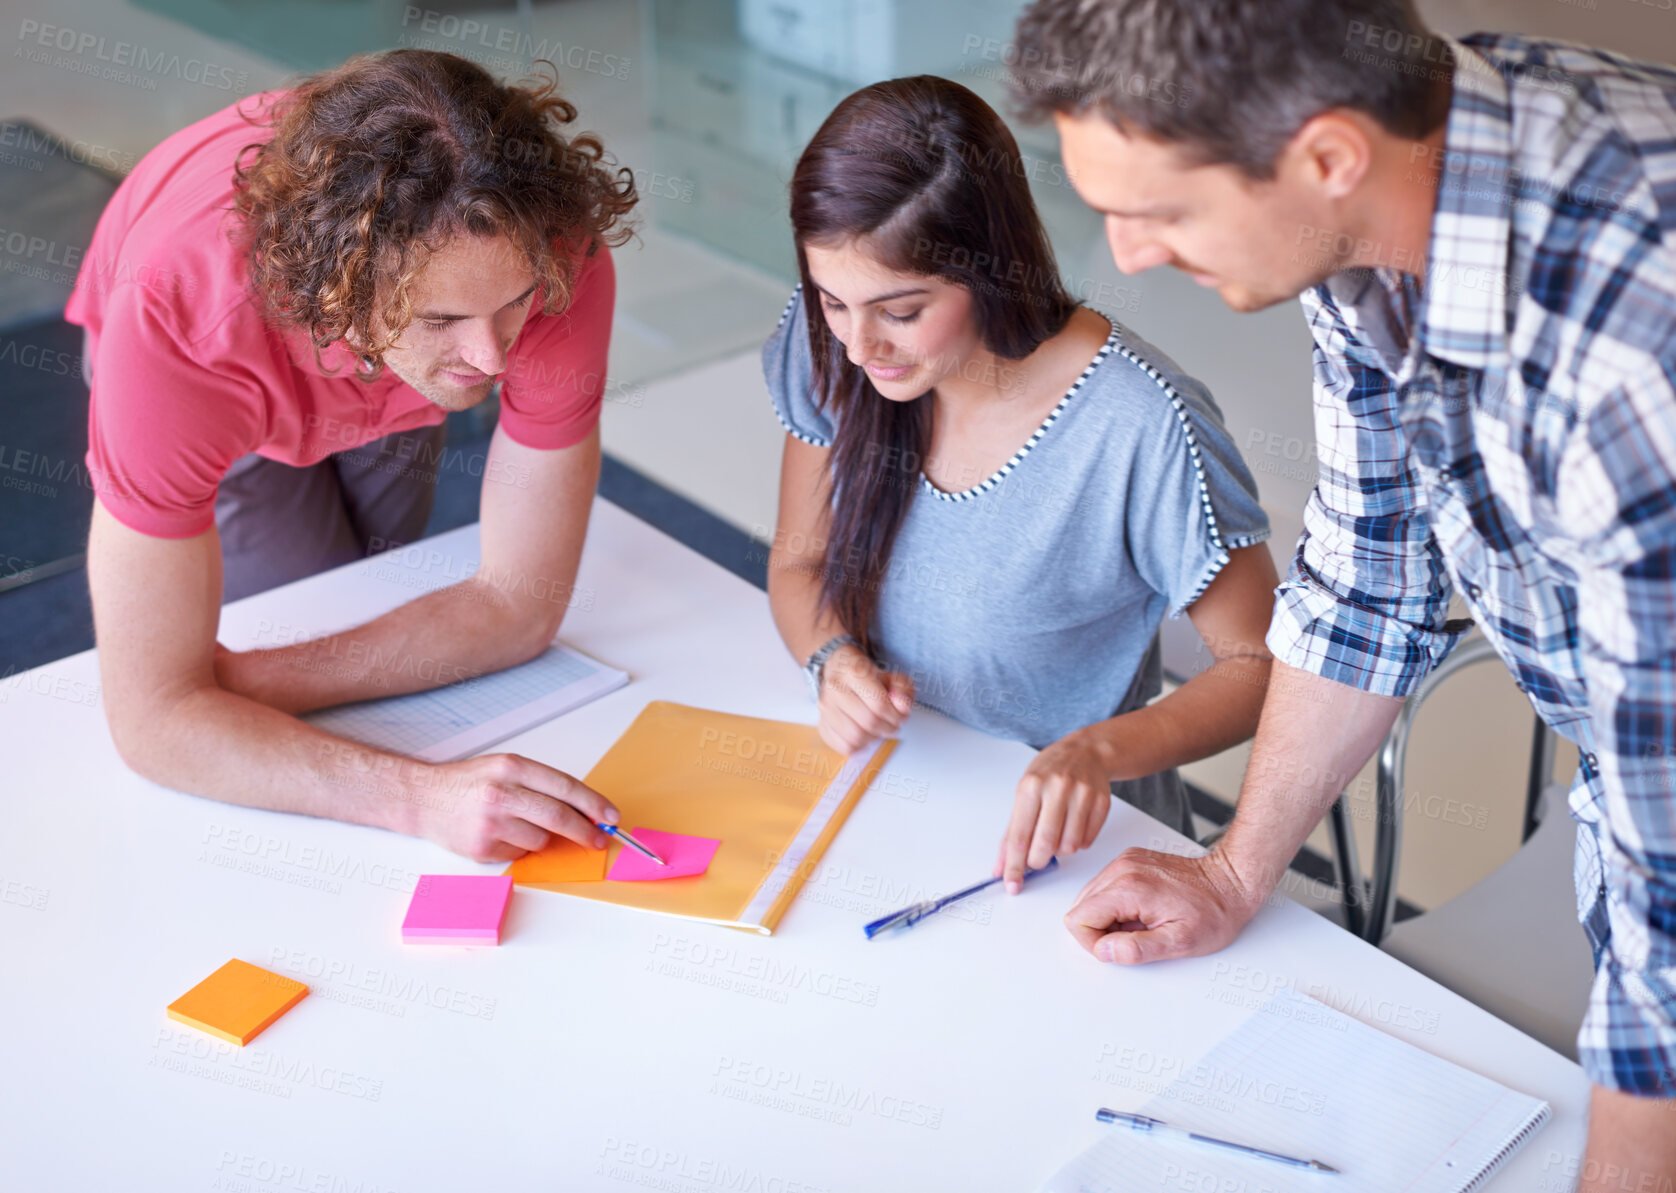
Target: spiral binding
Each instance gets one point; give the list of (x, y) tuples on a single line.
[(1512, 1145)]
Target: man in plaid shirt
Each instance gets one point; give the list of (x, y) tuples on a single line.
[(1483, 234)]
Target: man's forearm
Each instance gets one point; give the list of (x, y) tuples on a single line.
[(459, 632), (1632, 1143), (215, 743), (1314, 736)]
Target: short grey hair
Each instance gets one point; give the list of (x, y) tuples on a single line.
[(1230, 80)]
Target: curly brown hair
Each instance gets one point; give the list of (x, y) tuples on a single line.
[(372, 166)]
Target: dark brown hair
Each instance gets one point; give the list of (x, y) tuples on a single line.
[(1230, 80), (931, 176), (374, 165)]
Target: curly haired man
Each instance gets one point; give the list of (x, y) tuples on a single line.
[(281, 304)]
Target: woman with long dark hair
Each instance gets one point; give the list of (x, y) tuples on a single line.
[(990, 497)]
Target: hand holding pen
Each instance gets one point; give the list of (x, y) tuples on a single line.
[(622, 835)]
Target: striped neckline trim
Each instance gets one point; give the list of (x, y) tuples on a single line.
[(1000, 474)]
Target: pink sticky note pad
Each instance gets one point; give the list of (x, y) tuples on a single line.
[(686, 856), (457, 909)]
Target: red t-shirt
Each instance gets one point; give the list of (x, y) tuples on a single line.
[(188, 376)]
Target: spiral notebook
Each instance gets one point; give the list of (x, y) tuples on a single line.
[(1300, 1078)]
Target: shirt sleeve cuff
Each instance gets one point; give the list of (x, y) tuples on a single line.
[(537, 436), (118, 496), (1315, 630), (1628, 1040)]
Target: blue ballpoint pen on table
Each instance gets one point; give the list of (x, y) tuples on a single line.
[(909, 916), (612, 830), (1141, 1122)]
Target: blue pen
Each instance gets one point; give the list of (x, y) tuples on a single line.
[(612, 830), (909, 916), (1141, 1122)]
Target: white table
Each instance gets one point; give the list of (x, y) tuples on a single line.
[(599, 1047)]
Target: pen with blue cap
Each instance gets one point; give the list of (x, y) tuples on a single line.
[(1141, 1122), (911, 915), (612, 830)]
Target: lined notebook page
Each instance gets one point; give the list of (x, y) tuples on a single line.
[(1303, 1079)]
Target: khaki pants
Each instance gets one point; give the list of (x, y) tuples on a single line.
[(279, 523)]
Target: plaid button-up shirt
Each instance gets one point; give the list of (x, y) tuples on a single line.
[(1505, 429)]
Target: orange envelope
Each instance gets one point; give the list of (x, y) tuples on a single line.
[(772, 792)]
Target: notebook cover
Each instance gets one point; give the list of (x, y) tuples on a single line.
[(751, 782)]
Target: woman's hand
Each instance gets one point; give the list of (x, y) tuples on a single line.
[(859, 702), (1059, 807)]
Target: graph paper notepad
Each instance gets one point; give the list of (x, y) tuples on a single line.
[(466, 717), (1300, 1078)]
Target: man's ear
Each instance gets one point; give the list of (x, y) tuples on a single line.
[(1332, 152)]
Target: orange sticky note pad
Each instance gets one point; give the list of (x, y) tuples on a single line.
[(560, 860), (237, 1002)]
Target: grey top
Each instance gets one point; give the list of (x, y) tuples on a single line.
[(1028, 605)]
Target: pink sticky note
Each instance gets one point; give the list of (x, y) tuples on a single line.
[(457, 909), (686, 856)]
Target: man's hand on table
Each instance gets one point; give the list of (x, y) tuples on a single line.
[(1147, 906), (498, 807), (1151, 906)]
